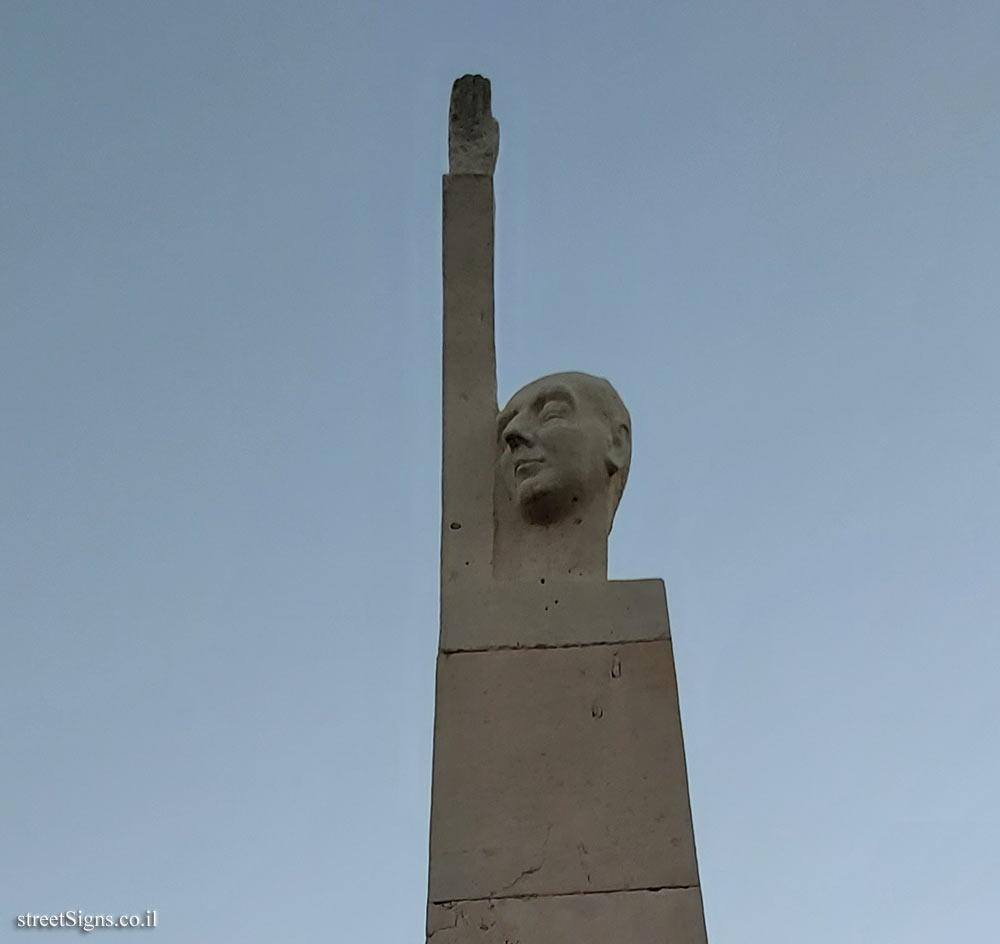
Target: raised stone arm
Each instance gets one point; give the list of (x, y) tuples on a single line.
[(473, 133), (469, 383)]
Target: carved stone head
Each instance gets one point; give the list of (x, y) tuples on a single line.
[(565, 446)]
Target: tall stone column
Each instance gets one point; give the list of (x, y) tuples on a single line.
[(560, 810)]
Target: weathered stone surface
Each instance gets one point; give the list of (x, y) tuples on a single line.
[(559, 771), (668, 916), (524, 614)]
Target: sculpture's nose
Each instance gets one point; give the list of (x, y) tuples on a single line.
[(516, 435)]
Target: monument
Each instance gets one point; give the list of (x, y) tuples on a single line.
[(559, 811)]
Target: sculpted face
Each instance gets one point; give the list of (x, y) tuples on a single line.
[(565, 447)]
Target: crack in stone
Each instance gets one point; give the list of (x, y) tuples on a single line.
[(533, 869), (451, 906)]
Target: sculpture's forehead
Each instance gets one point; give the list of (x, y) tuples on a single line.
[(556, 383), (569, 383)]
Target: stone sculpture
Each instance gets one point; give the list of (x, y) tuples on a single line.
[(566, 445), (559, 805)]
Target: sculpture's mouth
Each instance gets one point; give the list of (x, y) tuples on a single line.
[(526, 467)]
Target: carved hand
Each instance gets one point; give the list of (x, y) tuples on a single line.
[(473, 133)]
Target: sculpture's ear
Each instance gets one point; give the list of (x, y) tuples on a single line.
[(619, 448), (618, 459)]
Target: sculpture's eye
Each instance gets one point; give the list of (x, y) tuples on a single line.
[(554, 410)]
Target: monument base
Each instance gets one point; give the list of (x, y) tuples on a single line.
[(560, 807)]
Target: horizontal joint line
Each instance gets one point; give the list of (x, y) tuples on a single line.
[(607, 891), (556, 645)]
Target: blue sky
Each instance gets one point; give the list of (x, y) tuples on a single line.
[(772, 225)]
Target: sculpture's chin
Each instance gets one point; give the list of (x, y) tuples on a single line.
[(540, 505)]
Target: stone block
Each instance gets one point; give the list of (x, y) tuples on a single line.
[(559, 771), (552, 613)]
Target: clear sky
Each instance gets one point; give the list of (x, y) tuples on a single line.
[(773, 225)]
